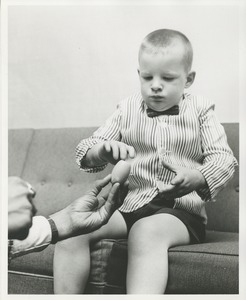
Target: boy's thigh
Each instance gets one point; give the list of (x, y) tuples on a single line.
[(160, 228), (115, 228)]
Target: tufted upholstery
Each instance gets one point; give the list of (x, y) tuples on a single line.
[(46, 158)]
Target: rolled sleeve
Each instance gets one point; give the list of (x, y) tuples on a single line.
[(109, 131), (219, 162), (81, 151)]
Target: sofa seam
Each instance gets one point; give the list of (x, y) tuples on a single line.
[(204, 252), (95, 283), (114, 286), (27, 152), (30, 274)]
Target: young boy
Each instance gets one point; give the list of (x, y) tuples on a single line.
[(179, 160)]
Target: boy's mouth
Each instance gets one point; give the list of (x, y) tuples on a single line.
[(157, 98)]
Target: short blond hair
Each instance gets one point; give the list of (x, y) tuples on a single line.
[(163, 38)]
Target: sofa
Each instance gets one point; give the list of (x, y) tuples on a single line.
[(46, 159)]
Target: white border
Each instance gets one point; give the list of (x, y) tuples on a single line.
[(4, 148), (126, 2), (4, 141)]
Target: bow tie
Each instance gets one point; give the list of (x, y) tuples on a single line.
[(174, 110)]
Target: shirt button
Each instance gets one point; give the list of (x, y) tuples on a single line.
[(163, 152)]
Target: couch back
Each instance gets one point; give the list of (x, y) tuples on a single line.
[(46, 159)]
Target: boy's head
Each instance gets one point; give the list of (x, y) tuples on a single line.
[(165, 60), (163, 39)]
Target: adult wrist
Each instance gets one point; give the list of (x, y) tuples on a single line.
[(54, 231), (60, 223)]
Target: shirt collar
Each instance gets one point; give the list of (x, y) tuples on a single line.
[(144, 105)]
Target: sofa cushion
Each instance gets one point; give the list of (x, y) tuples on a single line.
[(26, 283), (35, 262), (187, 264), (218, 254)]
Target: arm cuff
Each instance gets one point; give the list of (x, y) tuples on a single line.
[(39, 237)]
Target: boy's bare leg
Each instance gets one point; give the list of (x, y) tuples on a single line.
[(148, 244), (72, 256)]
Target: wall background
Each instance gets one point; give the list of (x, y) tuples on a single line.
[(70, 65)]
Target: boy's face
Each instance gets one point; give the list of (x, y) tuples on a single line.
[(163, 77)]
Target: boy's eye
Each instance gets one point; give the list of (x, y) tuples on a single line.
[(168, 78), (147, 77)]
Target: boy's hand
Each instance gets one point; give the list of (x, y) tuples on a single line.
[(113, 151), (186, 181)]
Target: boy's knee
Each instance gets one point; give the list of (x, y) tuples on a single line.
[(73, 244), (143, 228), (141, 233), (146, 233)]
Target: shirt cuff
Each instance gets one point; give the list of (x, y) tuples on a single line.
[(81, 151), (39, 237)]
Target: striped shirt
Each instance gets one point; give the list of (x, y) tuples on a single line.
[(194, 139)]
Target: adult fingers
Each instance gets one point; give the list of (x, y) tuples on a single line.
[(115, 198), (99, 185), (111, 204)]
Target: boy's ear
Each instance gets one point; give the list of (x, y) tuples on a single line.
[(190, 79)]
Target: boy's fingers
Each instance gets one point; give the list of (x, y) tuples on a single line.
[(115, 151), (107, 146), (177, 180), (131, 152), (170, 167), (123, 152), (167, 188)]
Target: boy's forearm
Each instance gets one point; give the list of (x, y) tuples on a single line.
[(92, 157)]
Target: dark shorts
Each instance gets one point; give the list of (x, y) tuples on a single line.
[(158, 205)]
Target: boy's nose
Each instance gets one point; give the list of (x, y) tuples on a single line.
[(156, 86)]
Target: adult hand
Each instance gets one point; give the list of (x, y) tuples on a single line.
[(186, 181), (20, 208), (91, 211)]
